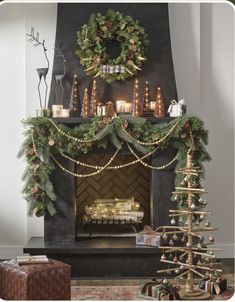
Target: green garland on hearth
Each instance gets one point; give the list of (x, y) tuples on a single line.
[(45, 140), (92, 46)]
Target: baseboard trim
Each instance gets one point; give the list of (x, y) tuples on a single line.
[(10, 252)]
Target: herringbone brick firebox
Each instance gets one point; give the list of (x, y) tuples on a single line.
[(132, 181)]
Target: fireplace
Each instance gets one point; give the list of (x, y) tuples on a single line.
[(115, 202), (109, 250)]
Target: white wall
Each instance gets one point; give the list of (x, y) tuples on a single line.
[(13, 219), (18, 97), (43, 18), (202, 38)]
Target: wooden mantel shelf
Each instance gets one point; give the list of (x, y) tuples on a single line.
[(81, 120)]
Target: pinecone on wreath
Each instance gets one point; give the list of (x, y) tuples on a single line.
[(109, 24)]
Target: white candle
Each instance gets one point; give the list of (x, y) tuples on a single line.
[(57, 113), (120, 106), (65, 112), (128, 107), (57, 107)]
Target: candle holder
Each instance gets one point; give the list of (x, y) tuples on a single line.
[(43, 112)]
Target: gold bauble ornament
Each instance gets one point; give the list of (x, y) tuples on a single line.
[(165, 281), (211, 238)]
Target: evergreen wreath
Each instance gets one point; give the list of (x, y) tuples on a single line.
[(45, 140), (92, 49)]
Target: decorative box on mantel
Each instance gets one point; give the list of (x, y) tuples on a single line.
[(96, 252)]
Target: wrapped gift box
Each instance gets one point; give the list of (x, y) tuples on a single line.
[(213, 285), (161, 291), (148, 237), (177, 109)]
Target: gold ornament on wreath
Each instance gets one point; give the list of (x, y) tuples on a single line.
[(92, 46)]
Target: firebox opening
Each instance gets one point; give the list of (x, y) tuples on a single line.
[(115, 202)]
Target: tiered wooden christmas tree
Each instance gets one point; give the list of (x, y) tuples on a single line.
[(192, 256)]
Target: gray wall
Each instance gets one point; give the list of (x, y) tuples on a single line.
[(202, 38)]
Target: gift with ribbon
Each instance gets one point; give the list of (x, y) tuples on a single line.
[(160, 290), (177, 109), (213, 285), (148, 237)]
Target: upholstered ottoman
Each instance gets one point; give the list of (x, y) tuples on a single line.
[(50, 281)]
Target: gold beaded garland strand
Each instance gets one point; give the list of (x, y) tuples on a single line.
[(85, 175), (110, 167), (154, 143), (33, 142), (99, 169), (78, 140), (149, 166)]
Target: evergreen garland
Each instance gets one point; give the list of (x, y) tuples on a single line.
[(43, 136)]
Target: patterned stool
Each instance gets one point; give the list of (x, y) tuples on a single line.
[(50, 281)]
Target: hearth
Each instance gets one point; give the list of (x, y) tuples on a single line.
[(102, 253)]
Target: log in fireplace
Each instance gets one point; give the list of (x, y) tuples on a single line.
[(100, 252)]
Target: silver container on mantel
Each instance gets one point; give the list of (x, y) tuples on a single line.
[(43, 112)]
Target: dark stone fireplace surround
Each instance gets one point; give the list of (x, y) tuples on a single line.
[(103, 257), (109, 257)]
